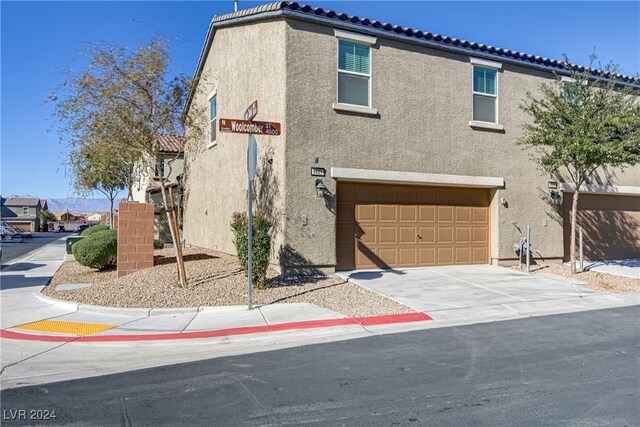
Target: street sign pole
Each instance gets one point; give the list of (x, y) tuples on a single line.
[(252, 158), (251, 127), (250, 255)]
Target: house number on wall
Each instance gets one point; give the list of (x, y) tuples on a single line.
[(318, 172)]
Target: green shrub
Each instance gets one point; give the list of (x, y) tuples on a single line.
[(99, 250), (261, 245), (158, 244), (94, 229)]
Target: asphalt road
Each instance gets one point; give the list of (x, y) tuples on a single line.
[(13, 250), (572, 369)]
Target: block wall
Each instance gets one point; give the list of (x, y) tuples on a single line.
[(135, 237)]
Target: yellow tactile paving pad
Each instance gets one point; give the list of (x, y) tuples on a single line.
[(57, 326)]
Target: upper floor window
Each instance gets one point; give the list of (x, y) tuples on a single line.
[(485, 94), (354, 73), (159, 169), (213, 113), (25, 210), (570, 89)]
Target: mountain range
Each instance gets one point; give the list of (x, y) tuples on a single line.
[(78, 205), (74, 204)]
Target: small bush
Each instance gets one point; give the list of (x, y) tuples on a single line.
[(261, 245), (94, 229), (158, 244), (99, 250)]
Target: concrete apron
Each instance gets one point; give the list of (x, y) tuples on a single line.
[(482, 293)]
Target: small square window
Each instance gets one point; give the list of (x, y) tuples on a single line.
[(485, 94), (25, 211)]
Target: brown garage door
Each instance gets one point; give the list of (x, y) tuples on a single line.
[(21, 226), (382, 226), (610, 225)]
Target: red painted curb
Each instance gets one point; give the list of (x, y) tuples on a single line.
[(309, 324)]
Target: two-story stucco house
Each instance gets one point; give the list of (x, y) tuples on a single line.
[(168, 164), (23, 213), (413, 135)]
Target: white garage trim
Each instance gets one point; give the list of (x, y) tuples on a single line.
[(415, 178), (621, 190)]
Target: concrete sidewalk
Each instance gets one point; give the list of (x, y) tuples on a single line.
[(25, 309), (617, 267), (36, 357)]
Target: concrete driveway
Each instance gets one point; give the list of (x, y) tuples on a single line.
[(483, 291)]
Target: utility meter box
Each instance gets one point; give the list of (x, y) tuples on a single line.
[(71, 240)]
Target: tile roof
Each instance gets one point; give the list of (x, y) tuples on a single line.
[(22, 201), (18, 218), (5, 212), (444, 42), (155, 188), (170, 143)]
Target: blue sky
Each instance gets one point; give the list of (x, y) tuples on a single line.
[(39, 39)]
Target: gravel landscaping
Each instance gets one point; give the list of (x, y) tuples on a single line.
[(214, 279), (593, 279)]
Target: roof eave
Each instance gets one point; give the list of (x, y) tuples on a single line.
[(204, 53), (379, 32)]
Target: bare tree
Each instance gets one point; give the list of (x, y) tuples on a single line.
[(126, 97)]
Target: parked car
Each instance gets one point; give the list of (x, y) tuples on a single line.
[(79, 229)]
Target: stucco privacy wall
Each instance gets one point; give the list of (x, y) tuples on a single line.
[(424, 101), (245, 63)]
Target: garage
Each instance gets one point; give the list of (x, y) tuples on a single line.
[(22, 226), (390, 226), (610, 225)]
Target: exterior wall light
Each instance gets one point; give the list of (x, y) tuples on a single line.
[(556, 198), (321, 189)]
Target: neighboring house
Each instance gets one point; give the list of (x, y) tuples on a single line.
[(416, 132), (95, 217), (22, 213), (170, 164), (72, 216)]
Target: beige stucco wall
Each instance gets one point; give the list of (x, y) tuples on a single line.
[(245, 63), (147, 169), (424, 101)]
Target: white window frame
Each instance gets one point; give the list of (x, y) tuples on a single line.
[(484, 63), (363, 40), (23, 210), (158, 168), (212, 95)]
